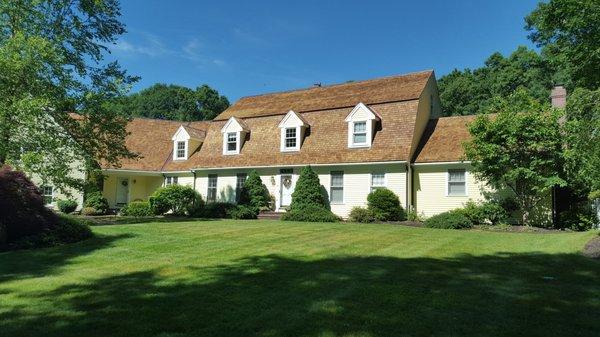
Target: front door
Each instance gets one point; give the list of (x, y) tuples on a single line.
[(287, 187), (122, 190)]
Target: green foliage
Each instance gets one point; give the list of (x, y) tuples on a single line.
[(67, 230), (580, 217), (90, 211), (177, 199), (308, 191), (310, 213), (454, 219), (218, 210), (243, 212), (138, 209), (485, 213), (412, 215), (362, 215), (519, 148), (173, 102), (52, 63), (66, 206), (97, 202), (567, 31), (255, 193), (385, 205)]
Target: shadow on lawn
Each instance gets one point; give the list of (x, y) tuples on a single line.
[(39, 262), (497, 295)]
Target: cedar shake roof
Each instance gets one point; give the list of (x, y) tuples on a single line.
[(443, 138), (195, 133), (375, 91)]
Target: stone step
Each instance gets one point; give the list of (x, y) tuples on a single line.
[(270, 215)]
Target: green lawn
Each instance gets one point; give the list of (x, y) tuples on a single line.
[(263, 278)]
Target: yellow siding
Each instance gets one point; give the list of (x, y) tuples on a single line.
[(430, 189), (140, 186)]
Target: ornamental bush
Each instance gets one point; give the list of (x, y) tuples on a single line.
[(243, 212), (66, 230), (363, 215), (177, 199), (254, 193), (216, 210), (486, 213), (137, 209), (311, 213), (454, 219), (98, 202), (66, 206), (385, 205), (308, 191)]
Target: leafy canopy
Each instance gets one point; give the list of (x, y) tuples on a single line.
[(519, 149)]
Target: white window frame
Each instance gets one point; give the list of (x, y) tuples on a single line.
[(374, 187), (361, 114), (366, 133), (238, 188), (176, 149), (226, 143), (44, 195), (208, 187), (448, 183), (171, 180), (331, 187), (284, 138)]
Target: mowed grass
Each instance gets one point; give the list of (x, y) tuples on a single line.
[(269, 278)]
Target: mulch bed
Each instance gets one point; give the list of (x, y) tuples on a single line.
[(592, 248)]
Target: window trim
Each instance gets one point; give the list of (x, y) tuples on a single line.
[(238, 189), (208, 187), (171, 180), (379, 186), (226, 143), (331, 187), (284, 138), (448, 183), (176, 150), (44, 195)]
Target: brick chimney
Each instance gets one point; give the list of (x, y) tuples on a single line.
[(558, 95)]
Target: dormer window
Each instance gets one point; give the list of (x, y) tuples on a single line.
[(361, 126), (234, 135), (181, 149), (293, 128), (185, 141)]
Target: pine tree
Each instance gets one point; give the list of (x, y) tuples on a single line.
[(308, 191), (254, 193)]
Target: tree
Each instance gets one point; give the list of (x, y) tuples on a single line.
[(172, 102), (255, 193), (52, 63), (308, 191), (583, 139), (519, 149), (569, 33)]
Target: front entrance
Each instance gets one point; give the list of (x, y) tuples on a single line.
[(122, 191), (287, 187)]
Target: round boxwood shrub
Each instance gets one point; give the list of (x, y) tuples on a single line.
[(137, 209), (243, 212), (177, 199), (361, 214), (311, 213), (454, 219), (385, 205), (66, 206), (98, 202)]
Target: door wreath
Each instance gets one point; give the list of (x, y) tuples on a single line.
[(287, 182), (124, 183)]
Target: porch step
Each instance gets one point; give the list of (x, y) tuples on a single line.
[(270, 215)]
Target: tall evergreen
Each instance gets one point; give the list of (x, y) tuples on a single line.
[(308, 191)]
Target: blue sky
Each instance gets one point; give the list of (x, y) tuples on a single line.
[(251, 47)]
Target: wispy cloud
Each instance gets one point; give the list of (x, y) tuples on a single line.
[(248, 37), (149, 45)]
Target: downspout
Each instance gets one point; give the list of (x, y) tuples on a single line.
[(408, 186), (164, 178), (194, 173)]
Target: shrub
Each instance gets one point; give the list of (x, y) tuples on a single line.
[(308, 192), (311, 213), (580, 217), (90, 211), (66, 206), (66, 230), (254, 193), (454, 219), (243, 212), (363, 215), (385, 205), (485, 213), (23, 212), (412, 215), (177, 199), (217, 210), (96, 201), (137, 208)]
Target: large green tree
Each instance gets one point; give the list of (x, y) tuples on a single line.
[(52, 62), (519, 149), (569, 33), (173, 102)]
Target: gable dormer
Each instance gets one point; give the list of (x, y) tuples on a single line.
[(234, 135), (292, 130), (185, 141), (361, 126)]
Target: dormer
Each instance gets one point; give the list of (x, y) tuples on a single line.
[(185, 141), (292, 130), (361, 126), (234, 134)]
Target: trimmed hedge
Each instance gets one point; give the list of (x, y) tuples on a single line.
[(66, 206), (217, 210), (311, 213), (454, 219), (243, 212), (385, 205), (66, 230), (362, 215), (487, 213), (177, 199), (137, 209)]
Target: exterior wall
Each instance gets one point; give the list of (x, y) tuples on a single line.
[(357, 182), (430, 188), (140, 186), (70, 193)]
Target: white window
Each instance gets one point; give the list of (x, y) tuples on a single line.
[(359, 135), (232, 142), (47, 194), (291, 141), (211, 195), (377, 181), (336, 191), (180, 150), (170, 181), (457, 183), (241, 179)]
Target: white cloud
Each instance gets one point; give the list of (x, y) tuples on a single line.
[(149, 45)]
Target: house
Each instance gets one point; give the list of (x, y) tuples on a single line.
[(358, 136)]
